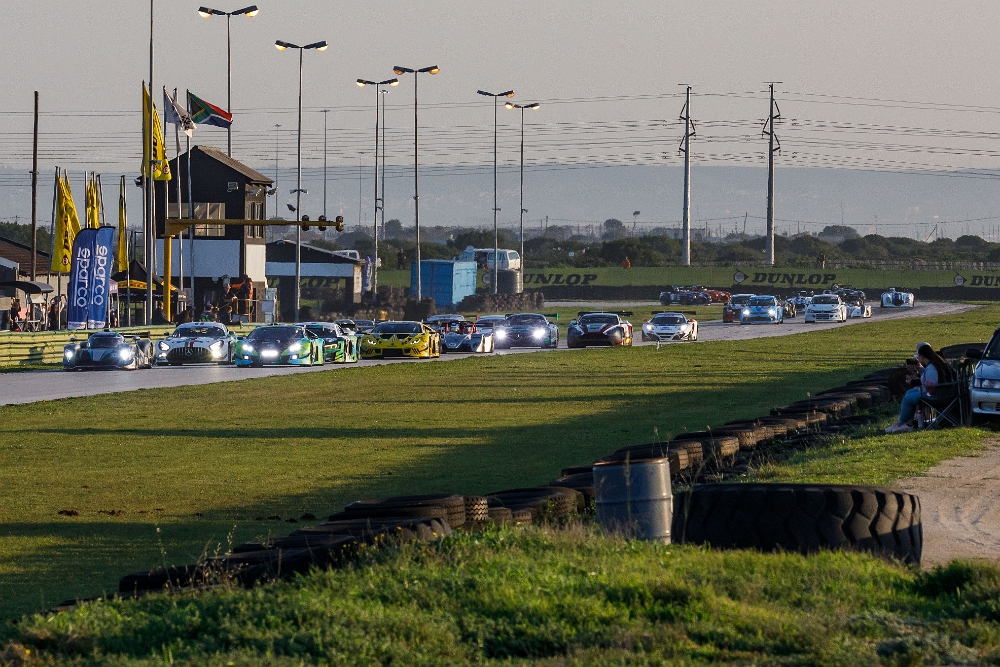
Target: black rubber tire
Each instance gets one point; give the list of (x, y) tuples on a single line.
[(582, 482), (424, 512), (801, 518), (476, 509), (454, 505), (678, 455), (554, 502), (501, 515), (577, 470)]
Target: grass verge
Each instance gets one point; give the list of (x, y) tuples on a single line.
[(529, 596), (95, 488)]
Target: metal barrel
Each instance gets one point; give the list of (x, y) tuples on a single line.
[(634, 498)]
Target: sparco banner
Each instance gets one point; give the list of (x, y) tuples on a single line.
[(88, 279)]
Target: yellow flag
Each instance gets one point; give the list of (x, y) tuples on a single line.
[(93, 205), (122, 254), (67, 227), (161, 168)]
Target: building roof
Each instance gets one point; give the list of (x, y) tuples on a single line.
[(284, 251), (21, 254), (235, 165)]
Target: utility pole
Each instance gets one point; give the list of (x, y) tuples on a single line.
[(686, 149), (325, 112), (34, 195), (773, 115)]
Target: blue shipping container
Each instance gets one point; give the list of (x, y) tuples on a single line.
[(446, 281)]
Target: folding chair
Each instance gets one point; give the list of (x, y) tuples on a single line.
[(949, 406)]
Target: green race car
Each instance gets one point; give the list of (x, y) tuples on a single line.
[(273, 344), (339, 346)]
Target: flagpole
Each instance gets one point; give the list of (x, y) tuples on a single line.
[(194, 273), (148, 182), (180, 236), (52, 243), (104, 222)]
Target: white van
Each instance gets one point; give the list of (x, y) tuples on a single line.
[(483, 257)]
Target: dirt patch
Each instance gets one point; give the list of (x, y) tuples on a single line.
[(959, 507)]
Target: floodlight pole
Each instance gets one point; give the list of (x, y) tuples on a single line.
[(522, 107), (496, 209)]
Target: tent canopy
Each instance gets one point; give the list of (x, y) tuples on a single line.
[(29, 286), (136, 271)]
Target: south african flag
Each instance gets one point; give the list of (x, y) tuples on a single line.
[(204, 113)]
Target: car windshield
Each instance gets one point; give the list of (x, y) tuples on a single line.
[(350, 324), (825, 300), (668, 319), (274, 333), (762, 301), (524, 320), (364, 323), (321, 330), (199, 331), (398, 328), (105, 341), (490, 321), (738, 300), (599, 319), (992, 351)]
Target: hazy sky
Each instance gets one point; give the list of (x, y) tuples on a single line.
[(607, 75)]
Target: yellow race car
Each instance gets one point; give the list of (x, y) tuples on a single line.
[(400, 339)]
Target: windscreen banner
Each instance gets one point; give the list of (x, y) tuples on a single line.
[(89, 278)]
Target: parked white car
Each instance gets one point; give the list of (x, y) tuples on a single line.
[(826, 308), (483, 257), (897, 297), (197, 343)]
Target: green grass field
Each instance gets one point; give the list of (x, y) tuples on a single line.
[(162, 476)]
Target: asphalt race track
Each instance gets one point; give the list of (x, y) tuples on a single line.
[(30, 387)]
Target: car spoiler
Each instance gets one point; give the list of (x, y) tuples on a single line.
[(137, 334), (682, 312), (623, 313), (554, 316)]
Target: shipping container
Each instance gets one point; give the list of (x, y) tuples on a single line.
[(446, 281)]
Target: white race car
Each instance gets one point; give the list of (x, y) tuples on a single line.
[(856, 306), (197, 343), (462, 336), (670, 325), (897, 297), (826, 308)]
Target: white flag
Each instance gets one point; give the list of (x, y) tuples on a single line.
[(175, 114)]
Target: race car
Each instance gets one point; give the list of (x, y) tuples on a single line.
[(826, 308), (714, 295), (526, 330), (401, 339), (599, 329), (897, 297), (801, 300), (856, 306), (109, 350), (762, 310), (670, 326), (732, 310), (788, 308), (273, 344), (490, 322), (197, 343), (339, 346), (436, 322), (463, 336)]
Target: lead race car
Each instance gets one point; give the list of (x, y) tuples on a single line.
[(401, 339), (109, 350), (665, 326), (273, 344), (339, 346), (526, 330), (464, 336), (599, 329), (197, 343), (897, 297), (762, 310), (826, 308)]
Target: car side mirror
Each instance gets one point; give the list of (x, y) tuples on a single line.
[(573, 323), (974, 353), (72, 339)]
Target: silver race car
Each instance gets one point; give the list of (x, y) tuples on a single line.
[(856, 306), (197, 343), (897, 297), (463, 336), (671, 325)]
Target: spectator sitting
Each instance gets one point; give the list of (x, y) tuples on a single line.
[(159, 317), (935, 371), (226, 315)]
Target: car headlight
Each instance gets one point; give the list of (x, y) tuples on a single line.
[(163, 346), (772, 312), (539, 332), (500, 333), (985, 383), (247, 347), (295, 347), (70, 354), (125, 354), (746, 311), (647, 327), (217, 345)]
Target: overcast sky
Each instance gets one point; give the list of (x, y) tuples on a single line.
[(88, 57)]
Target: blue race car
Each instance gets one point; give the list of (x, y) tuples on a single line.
[(762, 310), (108, 350)]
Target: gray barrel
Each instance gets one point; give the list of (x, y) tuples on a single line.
[(509, 282), (634, 498)]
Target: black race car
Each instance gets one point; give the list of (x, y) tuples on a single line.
[(109, 350)]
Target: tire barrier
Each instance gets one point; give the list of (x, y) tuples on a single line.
[(801, 518)]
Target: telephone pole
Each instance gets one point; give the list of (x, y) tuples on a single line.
[(773, 115), (689, 132)]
